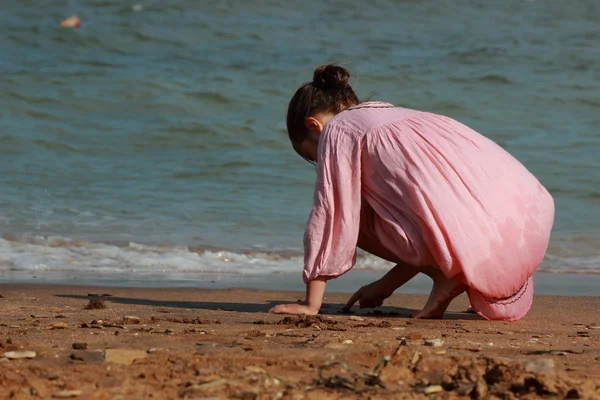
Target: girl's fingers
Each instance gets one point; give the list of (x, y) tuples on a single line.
[(355, 297)]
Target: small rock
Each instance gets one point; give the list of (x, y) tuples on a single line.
[(433, 389), (168, 331), (544, 366), (67, 394), (52, 376), (79, 346), (154, 350), (593, 326), (416, 358), (356, 318), (433, 342), (88, 356), (39, 316), (14, 355), (123, 356), (347, 341), (130, 319), (60, 325)]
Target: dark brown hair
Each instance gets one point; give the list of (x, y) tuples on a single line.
[(329, 92)]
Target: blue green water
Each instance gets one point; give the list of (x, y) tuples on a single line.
[(152, 139)]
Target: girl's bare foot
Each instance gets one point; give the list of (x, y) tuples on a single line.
[(443, 292)]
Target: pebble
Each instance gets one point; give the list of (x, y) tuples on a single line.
[(433, 389), (130, 319), (79, 346), (416, 358), (88, 356), (347, 341), (593, 326), (39, 316), (154, 350), (60, 325), (14, 355), (433, 342), (356, 318), (67, 394)]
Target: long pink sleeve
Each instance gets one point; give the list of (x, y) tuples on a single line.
[(332, 229)]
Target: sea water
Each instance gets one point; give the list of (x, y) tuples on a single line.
[(151, 141)]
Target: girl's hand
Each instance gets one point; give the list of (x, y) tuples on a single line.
[(371, 295), (315, 290), (300, 309)]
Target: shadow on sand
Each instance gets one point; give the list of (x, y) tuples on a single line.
[(326, 309)]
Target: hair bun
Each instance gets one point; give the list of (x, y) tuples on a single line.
[(330, 76)]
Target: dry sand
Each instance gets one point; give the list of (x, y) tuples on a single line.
[(222, 344)]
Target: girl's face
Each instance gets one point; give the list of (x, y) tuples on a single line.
[(309, 147)]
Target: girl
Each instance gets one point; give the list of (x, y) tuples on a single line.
[(420, 190)]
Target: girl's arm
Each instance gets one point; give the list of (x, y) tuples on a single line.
[(315, 290)]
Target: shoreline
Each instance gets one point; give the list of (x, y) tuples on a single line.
[(189, 343), (546, 283)]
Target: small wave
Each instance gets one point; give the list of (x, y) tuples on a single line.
[(57, 253), (491, 78), (212, 97), (495, 79), (163, 40), (470, 55)]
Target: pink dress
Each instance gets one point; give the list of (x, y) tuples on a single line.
[(434, 192)]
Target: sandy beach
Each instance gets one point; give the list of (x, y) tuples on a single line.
[(222, 344)]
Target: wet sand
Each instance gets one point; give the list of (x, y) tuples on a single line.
[(222, 344)]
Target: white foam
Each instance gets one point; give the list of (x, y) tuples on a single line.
[(63, 254)]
